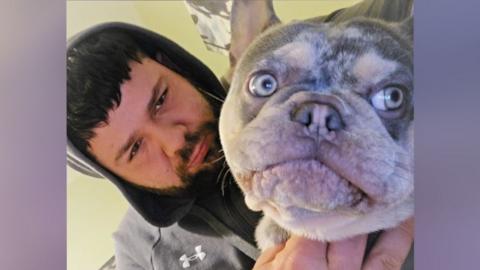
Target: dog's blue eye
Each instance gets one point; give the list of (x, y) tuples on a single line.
[(389, 98), (262, 85)]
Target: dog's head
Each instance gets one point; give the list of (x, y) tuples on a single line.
[(317, 125)]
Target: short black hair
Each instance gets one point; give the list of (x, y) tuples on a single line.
[(95, 70)]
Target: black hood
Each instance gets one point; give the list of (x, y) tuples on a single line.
[(159, 210)]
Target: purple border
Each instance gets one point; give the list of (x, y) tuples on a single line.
[(447, 128), (32, 147)]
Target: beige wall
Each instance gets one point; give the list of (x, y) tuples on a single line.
[(94, 206)]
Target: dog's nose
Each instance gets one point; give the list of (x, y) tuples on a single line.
[(319, 119)]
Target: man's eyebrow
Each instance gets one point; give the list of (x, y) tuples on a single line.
[(125, 147), (150, 108), (153, 98)]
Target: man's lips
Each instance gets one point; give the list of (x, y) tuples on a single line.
[(198, 154)]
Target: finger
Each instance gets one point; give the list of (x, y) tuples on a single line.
[(392, 248), (302, 253), (269, 255), (307, 246), (346, 254)]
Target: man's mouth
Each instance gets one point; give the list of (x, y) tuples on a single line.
[(199, 152)]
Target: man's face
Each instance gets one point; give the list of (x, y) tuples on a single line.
[(157, 137)]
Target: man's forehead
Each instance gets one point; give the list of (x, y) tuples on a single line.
[(148, 69), (124, 119)]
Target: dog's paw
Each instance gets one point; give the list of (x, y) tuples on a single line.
[(269, 234)]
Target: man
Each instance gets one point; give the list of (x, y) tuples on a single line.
[(142, 112)]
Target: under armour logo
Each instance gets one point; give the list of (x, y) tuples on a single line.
[(199, 255)]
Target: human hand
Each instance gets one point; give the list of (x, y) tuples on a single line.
[(302, 253), (297, 252), (392, 247)]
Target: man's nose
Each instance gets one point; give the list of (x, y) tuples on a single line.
[(319, 119)]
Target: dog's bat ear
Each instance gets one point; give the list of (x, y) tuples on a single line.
[(249, 18), (406, 27)]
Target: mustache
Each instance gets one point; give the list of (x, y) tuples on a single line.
[(193, 138), (190, 186)]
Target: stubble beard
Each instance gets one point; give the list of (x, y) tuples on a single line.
[(204, 179)]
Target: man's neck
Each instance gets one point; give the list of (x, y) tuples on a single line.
[(226, 202)]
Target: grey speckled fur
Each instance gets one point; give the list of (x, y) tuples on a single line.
[(311, 177)]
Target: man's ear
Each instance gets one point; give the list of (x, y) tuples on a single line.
[(249, 18)]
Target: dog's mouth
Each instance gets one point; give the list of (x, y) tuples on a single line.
[(303, 187)]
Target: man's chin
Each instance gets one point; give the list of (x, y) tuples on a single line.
[(204, 180), (193, 185), (181, 191)]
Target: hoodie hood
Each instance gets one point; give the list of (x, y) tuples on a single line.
[(159, 210)]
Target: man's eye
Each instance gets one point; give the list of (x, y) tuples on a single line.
[(161, 100), (134, 150)]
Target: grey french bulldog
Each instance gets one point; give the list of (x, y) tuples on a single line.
[(317, 126)]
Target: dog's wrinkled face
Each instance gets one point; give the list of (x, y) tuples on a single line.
[(317, 126)]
